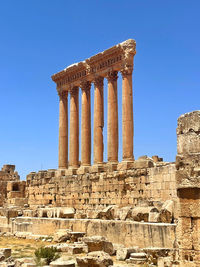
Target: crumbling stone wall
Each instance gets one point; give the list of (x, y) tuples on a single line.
[(100, 189), (188, 188), (7, 174)]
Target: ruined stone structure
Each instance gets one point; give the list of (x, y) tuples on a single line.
[(93, 70), (145, 203)]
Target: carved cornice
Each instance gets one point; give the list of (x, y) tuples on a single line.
[(85, 85), (112, 76), (115, 58), (98, 81)]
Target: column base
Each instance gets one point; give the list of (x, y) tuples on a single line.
[(111, 166), (97, 168), (83, 169), (125, 165)]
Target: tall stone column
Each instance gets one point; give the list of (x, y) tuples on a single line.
[(74, 128), (63, 130), (112, 128), (98, 120), (127, 114), (86, 124)]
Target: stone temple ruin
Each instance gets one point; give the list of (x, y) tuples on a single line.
[(141, 209)]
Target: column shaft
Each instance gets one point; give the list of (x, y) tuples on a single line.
[(98, 121), (112, 128), (74, 128), (86, 125), (127, 115), (63, 130)]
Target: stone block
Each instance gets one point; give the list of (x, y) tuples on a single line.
[(99, 243), (96, 258)]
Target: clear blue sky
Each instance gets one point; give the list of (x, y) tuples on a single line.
[(39, 38)]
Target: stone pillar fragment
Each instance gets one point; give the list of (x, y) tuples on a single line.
[(63, 130), (86, 125), (98, 120), (74, 128), (112, 128), (127, 114)]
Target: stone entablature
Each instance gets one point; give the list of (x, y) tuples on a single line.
[(116, 58), (93, 70)]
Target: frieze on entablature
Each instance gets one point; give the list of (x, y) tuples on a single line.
[(114, 58)]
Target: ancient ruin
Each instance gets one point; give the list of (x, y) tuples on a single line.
[(129, 213)]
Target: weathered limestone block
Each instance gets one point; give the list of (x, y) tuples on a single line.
[(122, 213), (98, 243), (106, 213), (166, 214), (143, 162), (124, 253), (6, 252), (142, 213), (188, 131), (75, 236), (95, 259), (65, 212), (61, 235)]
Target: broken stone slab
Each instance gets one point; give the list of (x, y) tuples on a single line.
[(74, 236), (143, 162), (96, 259), (99, 243), (124, 253), (6, 252), (62, 235)]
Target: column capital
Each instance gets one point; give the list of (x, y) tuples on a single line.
[(127, 70), (98, 81), (112, 76), (85, 85), (62, 94), (73, 90)]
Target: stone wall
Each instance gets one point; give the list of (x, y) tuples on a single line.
[(7, 174), (153, 182), (188, 188), (121, 232)]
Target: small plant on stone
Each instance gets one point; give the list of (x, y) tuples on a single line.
[(45, 255)]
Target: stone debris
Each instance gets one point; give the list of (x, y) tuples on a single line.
[(99, 243), (95, 259), (61, 235), (124, 253)]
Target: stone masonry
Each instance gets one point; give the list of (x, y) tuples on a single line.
[(146, 204)]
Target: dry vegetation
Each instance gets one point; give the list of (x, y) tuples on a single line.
[(21, 247)]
